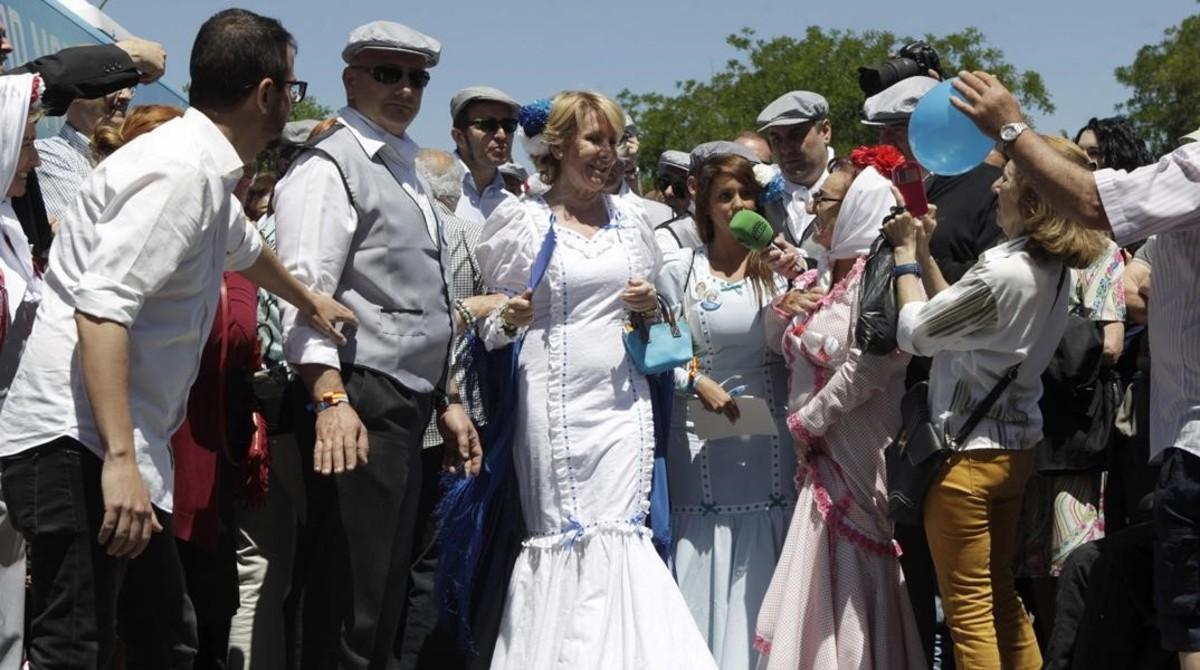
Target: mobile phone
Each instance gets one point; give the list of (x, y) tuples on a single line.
[(908, 179)]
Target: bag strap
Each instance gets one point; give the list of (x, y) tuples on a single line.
[(1001, 384)]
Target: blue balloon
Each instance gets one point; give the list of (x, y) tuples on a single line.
[(944, 141)]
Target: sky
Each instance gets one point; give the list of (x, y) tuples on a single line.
[(535, 48)]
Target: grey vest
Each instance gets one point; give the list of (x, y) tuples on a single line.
[(394, 278)]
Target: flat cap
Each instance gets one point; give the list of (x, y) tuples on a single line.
[(792, 108), (896, 102), (472, 93), (677, 160), (514, 170), (703, 152), (392, 36), (297, 132)]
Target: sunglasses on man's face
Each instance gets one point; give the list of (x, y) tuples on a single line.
[(490, 126), (390, 75), (678, 188)]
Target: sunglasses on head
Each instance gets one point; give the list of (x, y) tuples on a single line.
[(390, 75), (490, 126)]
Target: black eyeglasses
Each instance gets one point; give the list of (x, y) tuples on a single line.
[(390, 75), (821, 199), (297, 90), (490, 126)]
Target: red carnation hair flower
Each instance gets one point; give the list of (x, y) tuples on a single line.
[(883, 157)]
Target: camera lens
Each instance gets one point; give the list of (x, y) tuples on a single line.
[(872, 80)]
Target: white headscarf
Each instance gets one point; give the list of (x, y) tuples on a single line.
[(15, 91), (16, 259), (868, 201)]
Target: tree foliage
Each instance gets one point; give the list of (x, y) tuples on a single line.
[(1166, 87), (825, 61), (309, 108)]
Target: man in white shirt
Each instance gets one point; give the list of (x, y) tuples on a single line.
[(484, 122), (1160, 199), (354, 218), (797, 128), (102, 385)]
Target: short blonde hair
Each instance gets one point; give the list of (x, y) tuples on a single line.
[(568, 112), (1052, 235)]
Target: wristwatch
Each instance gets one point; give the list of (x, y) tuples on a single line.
[(1009, 133), (443, 400)]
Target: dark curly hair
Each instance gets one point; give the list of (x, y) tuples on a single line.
[(1120, 146)]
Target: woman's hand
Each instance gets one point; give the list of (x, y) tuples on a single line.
[(640, 296), (716, 399), (783, 258), (802, 450), (902, 231), (925, 233), (800, 302), (517, 312)]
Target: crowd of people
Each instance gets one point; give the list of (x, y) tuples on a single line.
[(307, 395)]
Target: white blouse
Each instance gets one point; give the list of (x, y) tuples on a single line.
[(1004, 311)]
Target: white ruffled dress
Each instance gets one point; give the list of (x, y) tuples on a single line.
[(588, 589)]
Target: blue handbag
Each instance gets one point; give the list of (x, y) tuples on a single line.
[(658, 347)]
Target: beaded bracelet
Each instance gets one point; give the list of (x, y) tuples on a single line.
[(465, 314)]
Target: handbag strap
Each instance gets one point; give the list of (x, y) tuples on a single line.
[(1001, 384)]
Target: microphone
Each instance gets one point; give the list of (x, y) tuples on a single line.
[(751, 230)]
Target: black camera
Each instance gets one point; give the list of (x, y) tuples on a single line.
[(913, 59)]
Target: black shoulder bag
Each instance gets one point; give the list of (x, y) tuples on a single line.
[(915, 456)]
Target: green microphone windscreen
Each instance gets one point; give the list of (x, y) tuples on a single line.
[(751, 230)]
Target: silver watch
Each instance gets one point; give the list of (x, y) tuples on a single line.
[(1009, 132)]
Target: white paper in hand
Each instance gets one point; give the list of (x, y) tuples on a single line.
[(755, 419)]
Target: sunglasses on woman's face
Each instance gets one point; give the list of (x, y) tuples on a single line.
[(490, 126), (390, 75)]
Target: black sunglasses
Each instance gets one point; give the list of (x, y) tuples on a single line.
[(678, 187), (390, 75), (490, 126)]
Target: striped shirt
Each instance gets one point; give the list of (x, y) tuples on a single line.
[(1003, 312), (1164, 200), (66, 162)]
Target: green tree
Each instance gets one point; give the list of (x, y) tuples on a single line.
[(825, 61), (1166, 86), (310, 108)]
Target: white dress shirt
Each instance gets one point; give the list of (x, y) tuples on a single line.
[(316, 223), (475, 206), (23, 287), (145, 245), (798, 197), (1164, 200)]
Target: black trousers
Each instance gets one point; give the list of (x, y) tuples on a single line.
[(81, 598), (357, 543), (426, 645)]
